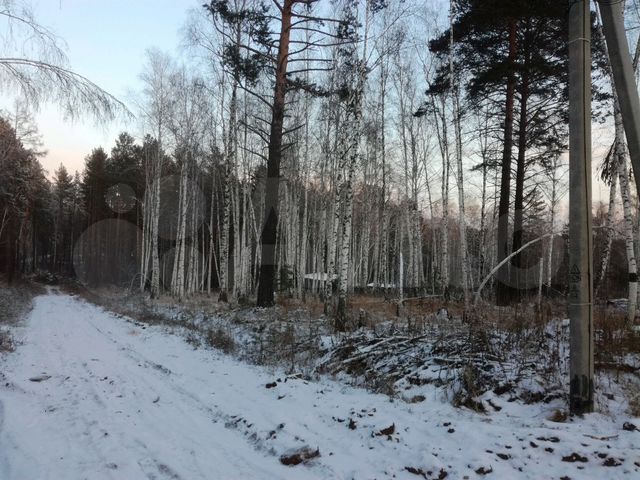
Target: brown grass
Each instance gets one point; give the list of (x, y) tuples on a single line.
[(219, 339), (558, 416), (615, 337), (634, 405), (6, 342), (15, 302)]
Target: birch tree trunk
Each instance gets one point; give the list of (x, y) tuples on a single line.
[(623, 174), (147, 212), (230, 137), (177, 277), (383, 255), (333, 238), (606, 253), (552, 220), (483, 207), (441, 132), (155, 221), (350, 151), (156, 79), (458, 142)]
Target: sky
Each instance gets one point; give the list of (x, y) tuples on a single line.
[(106, 42)]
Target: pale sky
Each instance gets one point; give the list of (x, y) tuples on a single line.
[(106, 42)]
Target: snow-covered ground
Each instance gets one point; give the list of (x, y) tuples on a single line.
[(90, 395)]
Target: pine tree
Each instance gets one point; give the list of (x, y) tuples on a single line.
[(94, 190), (63, 192), (248, 53), (513, 53), (24, 201)]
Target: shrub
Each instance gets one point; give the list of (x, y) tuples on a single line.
[(471, 385), (221, 340), (6, 341)]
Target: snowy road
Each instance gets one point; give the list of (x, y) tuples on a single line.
[(118, 401)]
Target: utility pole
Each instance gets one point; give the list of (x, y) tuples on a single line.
[(580, 247), (612, 12)]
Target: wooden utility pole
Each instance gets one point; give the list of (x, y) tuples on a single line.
[(580, 247)]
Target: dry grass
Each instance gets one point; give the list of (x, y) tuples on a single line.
[(363, 310), (220, 339), (15, 302), (634, 404), (471, 386), (558, 416), (615, 339), (368, 310), (6, 341), (311, 304)]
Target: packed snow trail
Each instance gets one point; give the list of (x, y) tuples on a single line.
[(110, 410), (92, 395)]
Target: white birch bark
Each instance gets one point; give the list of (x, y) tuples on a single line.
[(606, 253), (335, 231), (441, 132), (230, 137), (552, 221), (146, 206), (350, 152), (155, 224), (177, 277), (157, 91), (458, 151), (623, 175)]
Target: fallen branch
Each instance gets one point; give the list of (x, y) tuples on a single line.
[(497, 267)]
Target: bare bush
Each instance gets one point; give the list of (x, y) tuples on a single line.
[(6, 341), (220, 339), (15, 301)]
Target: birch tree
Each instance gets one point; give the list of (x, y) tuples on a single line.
[(612, 178), (623, 175), (455, 95), (353, 77), (156, 107), (619, 154)]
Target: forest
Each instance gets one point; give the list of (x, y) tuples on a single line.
[(332, 239), (343, 157)]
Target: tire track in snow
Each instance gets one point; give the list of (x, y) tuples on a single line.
[(258, 440), (140, 440)]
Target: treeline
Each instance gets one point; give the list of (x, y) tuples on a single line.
[(298, 151), (91, 225)]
